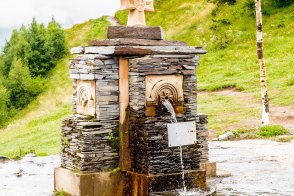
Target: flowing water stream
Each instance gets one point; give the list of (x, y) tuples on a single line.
[(183, 192), (171, 110)]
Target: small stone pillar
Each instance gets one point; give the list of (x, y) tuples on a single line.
[(116, 142)]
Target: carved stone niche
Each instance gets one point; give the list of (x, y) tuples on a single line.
[(86, 97), (161, 87)]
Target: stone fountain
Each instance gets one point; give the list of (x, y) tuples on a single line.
[(116, 142)]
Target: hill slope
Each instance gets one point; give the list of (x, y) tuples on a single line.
[(37, 128), (228, 33)]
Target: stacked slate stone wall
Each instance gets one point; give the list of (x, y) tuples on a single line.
[(104, 70), (202, 137), (86, 144), (91, 143), (148, 135)]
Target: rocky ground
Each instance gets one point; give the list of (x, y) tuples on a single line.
[(247, 167)]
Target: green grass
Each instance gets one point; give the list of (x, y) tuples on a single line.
[(56, 193), (272, 130), (39, 136), (224, 111), (269, 131), (229, 34), (36, 129), (80, 34)]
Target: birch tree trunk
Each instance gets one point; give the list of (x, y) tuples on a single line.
[(264, 92)]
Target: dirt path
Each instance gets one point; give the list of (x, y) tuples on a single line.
[(278, 115), (283, 116), (113, 21)]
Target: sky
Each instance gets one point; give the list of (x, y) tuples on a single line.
[(14, 13)]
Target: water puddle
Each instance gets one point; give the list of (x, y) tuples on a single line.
[(192, 192)]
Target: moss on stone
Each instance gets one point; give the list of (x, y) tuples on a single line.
[(113, 140)]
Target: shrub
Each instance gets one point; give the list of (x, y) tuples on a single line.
[(249, 6), (230, 2), (272, 130), (22, 88), (12, 49), (282, 3), (4, 98)]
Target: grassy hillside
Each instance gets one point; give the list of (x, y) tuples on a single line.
[(228, 33), (37, 128), (80, 34)]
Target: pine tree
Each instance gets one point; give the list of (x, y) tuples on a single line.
[(55, 40), (37, 56), (13, 49), (22, 88)]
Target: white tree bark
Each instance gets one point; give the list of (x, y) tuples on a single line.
[(263, 83)]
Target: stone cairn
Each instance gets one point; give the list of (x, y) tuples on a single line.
[(94, 140)]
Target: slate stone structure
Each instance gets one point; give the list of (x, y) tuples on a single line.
[(134, 137), (88, 142), (148, 135)]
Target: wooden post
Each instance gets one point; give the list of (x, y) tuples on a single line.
[(124, 153), (264, 92)]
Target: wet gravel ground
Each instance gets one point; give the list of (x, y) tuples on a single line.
[(31, 176), (257, 167)]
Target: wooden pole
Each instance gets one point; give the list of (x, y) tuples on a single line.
[(124, 149), (263, 83)]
